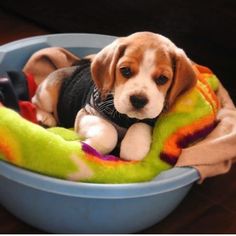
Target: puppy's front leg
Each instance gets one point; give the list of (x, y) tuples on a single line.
[(98, 132), (136, 142)]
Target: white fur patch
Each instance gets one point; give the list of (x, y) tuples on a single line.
[(136, 142), (45, 97), (142, 83), (98, 132)]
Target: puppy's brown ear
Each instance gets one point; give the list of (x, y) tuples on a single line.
[(184, 76), (103, 66)]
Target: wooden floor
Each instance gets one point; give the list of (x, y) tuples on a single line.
[(208, 208)]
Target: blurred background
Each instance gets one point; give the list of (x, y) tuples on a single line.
[(205, 29)]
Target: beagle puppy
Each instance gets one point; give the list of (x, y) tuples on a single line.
[(116, 95)]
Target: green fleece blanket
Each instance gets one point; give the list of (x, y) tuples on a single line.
[(60, 153)]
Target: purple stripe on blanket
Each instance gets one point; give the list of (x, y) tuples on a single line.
[(90, 150), (198, 135), (186, 141)]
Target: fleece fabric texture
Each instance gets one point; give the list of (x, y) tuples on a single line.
[(59, 152), (46, 151)]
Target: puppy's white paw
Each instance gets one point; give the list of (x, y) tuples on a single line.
[(97, 132), (99, 146), (45, 118), (136, 143), (132, 152)]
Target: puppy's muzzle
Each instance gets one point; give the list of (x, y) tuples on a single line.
[(138, 101)]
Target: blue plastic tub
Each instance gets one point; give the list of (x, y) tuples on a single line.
[(61, 206)]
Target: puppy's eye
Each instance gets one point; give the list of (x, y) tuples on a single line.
[(126, 72), (161, 80)]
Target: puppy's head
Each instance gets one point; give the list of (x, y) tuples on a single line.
[(145, 71)]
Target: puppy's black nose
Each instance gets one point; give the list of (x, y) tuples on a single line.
[(138, 101)]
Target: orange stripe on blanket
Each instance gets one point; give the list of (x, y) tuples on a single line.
[(203, 69), (208, 93), (9, 147), (208, 98), (186, 135), (202, 73)]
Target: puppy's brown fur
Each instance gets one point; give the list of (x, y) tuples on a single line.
[(148, 57)]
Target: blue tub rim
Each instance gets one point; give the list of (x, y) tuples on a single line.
[(167, 181)]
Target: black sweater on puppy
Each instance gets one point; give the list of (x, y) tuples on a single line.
[(79, 90)]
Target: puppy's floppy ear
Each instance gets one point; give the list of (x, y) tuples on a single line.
[(184, 76), (103, 65)]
